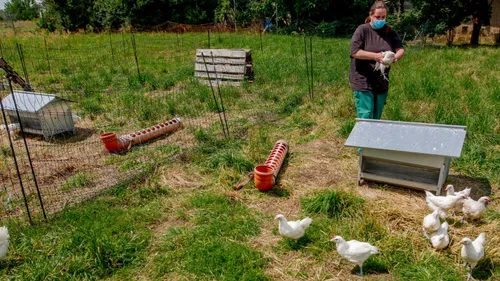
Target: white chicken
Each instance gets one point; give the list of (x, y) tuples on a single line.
[(13, 129), (292, 229), (431, 222), (472, 252), (76, 118), (474, 209), (4, 242), (440, 239), (443, 202), (354, 251), (450, 190), (386, 63)]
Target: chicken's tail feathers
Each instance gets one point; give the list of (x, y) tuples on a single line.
[(305, 223), (4, 233), (481, 238)]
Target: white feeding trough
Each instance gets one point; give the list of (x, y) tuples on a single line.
[(414, 155)]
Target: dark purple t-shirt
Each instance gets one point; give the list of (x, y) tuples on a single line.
[(362, 76)]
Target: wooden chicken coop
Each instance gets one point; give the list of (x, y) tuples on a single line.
[(225, 66), (414, 155)]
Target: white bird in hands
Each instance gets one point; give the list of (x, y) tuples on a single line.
[(386, 63), (472, 252), (292, 229), (4, 242), (440, 239), (354, 251)]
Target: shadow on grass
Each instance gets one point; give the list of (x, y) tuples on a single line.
[(371, 266), (10, 263), (484, 269), (292, 244), (479, 186)]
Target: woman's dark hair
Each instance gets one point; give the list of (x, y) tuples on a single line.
[(378, 5)]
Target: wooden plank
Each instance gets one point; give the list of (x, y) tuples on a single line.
[(217, 60), (435, 161), (238, 69), (221, 83), (401, 171), (219, 75), (227, 53), (399, 182)]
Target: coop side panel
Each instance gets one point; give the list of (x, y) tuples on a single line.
[(56, 119)]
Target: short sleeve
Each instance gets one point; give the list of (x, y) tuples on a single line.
[(396, 42), (357, 41)]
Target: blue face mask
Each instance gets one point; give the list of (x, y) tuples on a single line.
[(378, 24)]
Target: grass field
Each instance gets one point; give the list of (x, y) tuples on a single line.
[(182, 220)]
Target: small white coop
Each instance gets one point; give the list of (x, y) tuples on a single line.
[(42, 114), (414, 155)]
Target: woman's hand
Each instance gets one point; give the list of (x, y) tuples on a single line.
[(379, 57)]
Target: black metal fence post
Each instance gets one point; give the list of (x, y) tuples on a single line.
[(15, 161), (220, 95), (47, 55), (23, 62), (213, 93), (27, 150), (312, 73), (307, 67), (111, 46), (136, 59), (209, 38)]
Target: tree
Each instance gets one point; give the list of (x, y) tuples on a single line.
[(441, 16), (23, 9), (480, 11)]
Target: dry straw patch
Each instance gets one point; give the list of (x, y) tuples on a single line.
[(325, 163)]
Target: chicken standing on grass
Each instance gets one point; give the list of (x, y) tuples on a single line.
[(450, 190), (443, 202), (472, 252), (4, 242), (354, 251), (440, 238), (431, 222), (474, 209), (293, 229)]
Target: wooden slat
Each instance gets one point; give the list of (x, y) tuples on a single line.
[(227, 53), (394, 170), (239, 69), (400, 182), (221, 83), (218, 60), (219, 75)]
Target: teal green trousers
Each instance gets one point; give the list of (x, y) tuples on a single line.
[(370, 105)]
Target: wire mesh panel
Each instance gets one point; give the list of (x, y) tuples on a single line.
[(122, 84)]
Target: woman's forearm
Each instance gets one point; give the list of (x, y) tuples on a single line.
[(365, 55)]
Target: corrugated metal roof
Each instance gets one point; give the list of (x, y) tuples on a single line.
[(433, 139), (28, 101)]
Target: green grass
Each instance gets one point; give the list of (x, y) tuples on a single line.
[(212, 232), (77, 181), (216, 247), (88, 242), (334, 204)]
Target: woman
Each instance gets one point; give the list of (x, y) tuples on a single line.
[(368, 42)]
